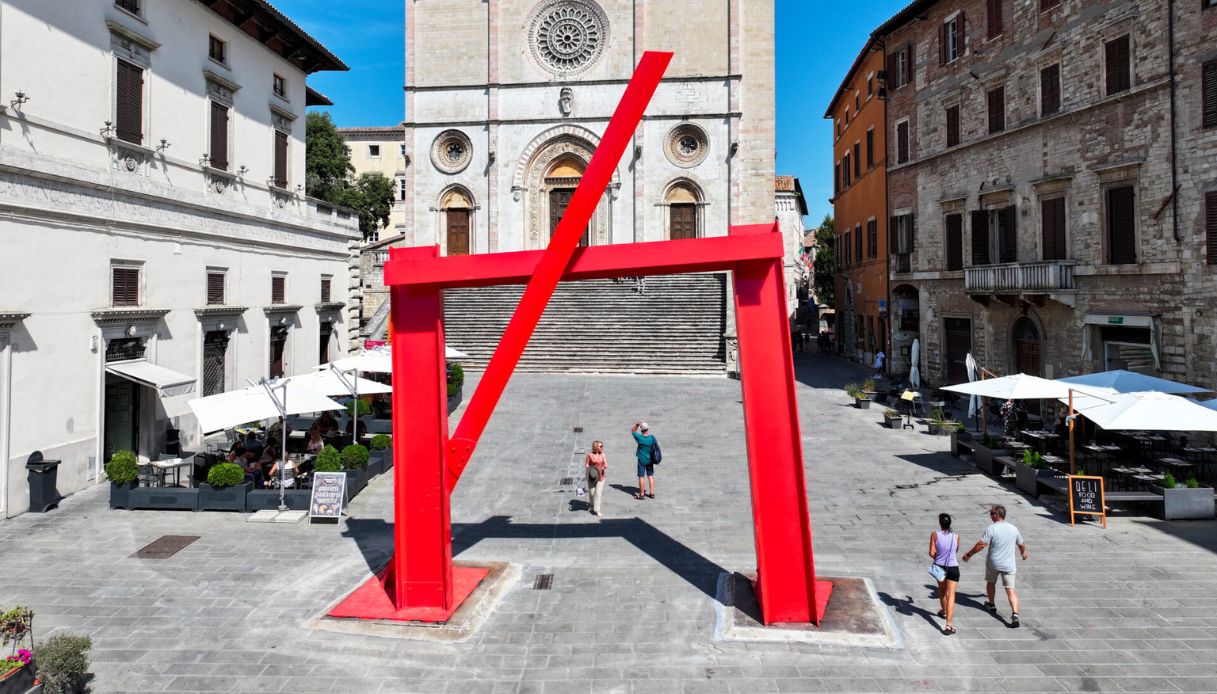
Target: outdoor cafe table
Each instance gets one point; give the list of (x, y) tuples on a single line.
[(1175, 464), (1041, 438)]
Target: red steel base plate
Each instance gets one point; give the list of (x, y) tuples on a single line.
[(371, 601)]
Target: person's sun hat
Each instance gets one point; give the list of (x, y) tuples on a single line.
[(643, 426)]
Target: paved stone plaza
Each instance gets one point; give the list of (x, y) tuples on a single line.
[(632, 607)]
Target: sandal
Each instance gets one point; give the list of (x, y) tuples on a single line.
[(650, 496), (639, 496), (942, 614), (948, 631)]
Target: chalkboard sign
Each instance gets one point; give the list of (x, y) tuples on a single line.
[(329, 490), (1086, 497)]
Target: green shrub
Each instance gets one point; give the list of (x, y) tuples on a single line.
[(354, 457), (988, 441), (62, 663), (328, 460), (456, 375), (381, 442), (362, 406), (123, 467), (868, 385), (890, 413), (225, 475), (1193, 483), (1168, 481), (854, 390), (1032, 459)]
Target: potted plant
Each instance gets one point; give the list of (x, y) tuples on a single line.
[(456, 381), (860, 400), (891, 418), (123, 471), (225, 489), (941, 424), (1188, 502), (1029, 471), (871, 390), (17, 672), (164, 498), (63, 662), (354, 458), (983, 452), (381, 450)]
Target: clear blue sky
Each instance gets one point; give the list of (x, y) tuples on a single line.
[(817, 41)]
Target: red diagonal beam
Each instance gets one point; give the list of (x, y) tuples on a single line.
[(555, 261)]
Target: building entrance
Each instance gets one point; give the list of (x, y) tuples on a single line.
[(122, 416)]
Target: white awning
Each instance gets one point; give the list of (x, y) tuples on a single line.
[(166, 382)]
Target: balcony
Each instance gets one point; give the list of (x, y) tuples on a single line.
[(1011, 282)]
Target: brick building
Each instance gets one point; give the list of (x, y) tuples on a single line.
[(860, 207), (1048, 165)]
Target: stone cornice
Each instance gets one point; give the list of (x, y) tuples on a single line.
[(132, 35), (219, 310), (329, 306), (133, 314), (221, 80), (10, 318), (281, 308)]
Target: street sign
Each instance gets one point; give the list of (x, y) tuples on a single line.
[(1086, 498), (329, 491)]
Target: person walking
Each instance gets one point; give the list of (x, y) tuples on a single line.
[(1002, 539), (944, 545), (646, 471), (594, 466), (878, 364), (1009, 418)]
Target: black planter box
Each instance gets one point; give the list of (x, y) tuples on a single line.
[(376, 465), (226, 499), (862, 403), (165, 498), (120, 494), (356, 481), (893, 422), (268, 499), (20, 680), (387, 460), (455, 401)]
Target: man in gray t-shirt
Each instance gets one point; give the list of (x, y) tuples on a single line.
[(1002, 539)]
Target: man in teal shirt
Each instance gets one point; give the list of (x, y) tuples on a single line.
[(646, 471)]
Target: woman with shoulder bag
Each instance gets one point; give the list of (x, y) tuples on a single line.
[(594, 466), (944, 545)]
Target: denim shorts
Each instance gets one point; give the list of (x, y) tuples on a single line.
[(645, 469)]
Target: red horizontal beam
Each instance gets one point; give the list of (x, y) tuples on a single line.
[(419, 266)]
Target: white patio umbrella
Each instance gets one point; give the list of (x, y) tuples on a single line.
[(1015, 387), (335, 381), (380, 360), (915, 358), (1151, 411), (973, 400)]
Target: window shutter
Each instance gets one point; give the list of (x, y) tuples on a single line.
[(995, 18), (912, 233), (952, 126), (909, 53), (892, 241), (125, 286), (1121, 226), (1210, 204), (980, 237), (1052, 217), (836, 178), (129, 103), (1118, 78), (215, 288), (870, 149), (954, 226), (219, 136), (1209, 91), (858, 257), (891, 81), (902, 142), (277, 293), (997, 110), (1009, 234), (1050, 90), (857, 160), (280, 159), (325, 290), (960, 33), (942, 44)]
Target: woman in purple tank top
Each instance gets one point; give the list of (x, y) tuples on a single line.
[(944, 545)]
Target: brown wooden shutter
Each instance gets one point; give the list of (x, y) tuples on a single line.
[(893, 243), (1052, 217), (872, 238), (890, 82), (870, 149), (325, 290), (125, 286), (836, 178), (952, 126), (280, 159), (215, 288), (1118, 66), (997, 110), (1209, 92), (858, 257), (857, 160), (129, 103), (1050, 90), (219, 136), (1121, 226), (912, 233), (277, 293), (909, 53), (980, 237), (960, 34), (995, 18), (902, 142), (1210, 227), (957, 339), (1009, 234), (943, 55), (954, 224)]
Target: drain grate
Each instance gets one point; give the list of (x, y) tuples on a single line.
[(165, 547), (578, 430), (565, 481), (543, 582)]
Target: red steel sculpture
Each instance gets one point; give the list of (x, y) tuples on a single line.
[(421, 583)]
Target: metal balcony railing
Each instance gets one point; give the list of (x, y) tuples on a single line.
[(1043, 276)]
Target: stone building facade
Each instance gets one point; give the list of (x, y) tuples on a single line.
[(382, 150), (158, 245), (1030, 150)]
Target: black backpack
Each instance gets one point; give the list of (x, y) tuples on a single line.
[(656, 454)]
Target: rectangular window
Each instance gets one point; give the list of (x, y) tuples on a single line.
[(950, 39), (872, 239), (1050, 90), (1046, 5), (870, 148), (278, 289), (997, 109), (1121, 226), (215, 288), (857, 160), (216, 49), (325, 289), (280, 159), (1052, 221), (278, 346), (900, 241), (1210, 226), (836, 179), (279, 86), (902, 142), (327, 330), (124, 286), (1208, 90), (129, 103), (899, 68), (1007, 235), (847, 248), (858, 243), (1119, 65), (131, 6), (954, 242), (373, 150), (857, 102), (215, 356), (980, 237), (952, 126), (870, 86), (401, 149), (219, 136), (995, 19), (401, 189), (846, 170)]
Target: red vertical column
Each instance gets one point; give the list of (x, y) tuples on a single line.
[(786, 585), (420, 575)]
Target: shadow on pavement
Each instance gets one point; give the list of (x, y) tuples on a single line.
[(905, 606)]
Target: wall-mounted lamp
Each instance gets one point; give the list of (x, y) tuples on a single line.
[(22, 97), (108, 131), (282, 320), (205, 160), (242, 170), (131, 330), (220, 326), (270, 180), (637, 151), (490, 157), (164, 145), (734, 148), (299, 188)]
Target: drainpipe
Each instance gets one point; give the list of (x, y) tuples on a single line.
[(1170, 21)]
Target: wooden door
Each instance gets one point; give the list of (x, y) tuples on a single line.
[(957, 336), (458, 232), (559, 200), (122, 407), (683, 222)]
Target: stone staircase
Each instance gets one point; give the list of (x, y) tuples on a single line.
[(673, 326)]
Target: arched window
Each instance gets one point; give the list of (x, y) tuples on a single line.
[(684, 221), (1026, 338), (457, 207)]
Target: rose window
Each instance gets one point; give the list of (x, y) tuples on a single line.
[(567, 36)]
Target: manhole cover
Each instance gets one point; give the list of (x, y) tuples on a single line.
[(566, 481), (543, 582), (165, 547), (578, 430)]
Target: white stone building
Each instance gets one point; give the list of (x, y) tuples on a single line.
[(382, 150), (156, 239)]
